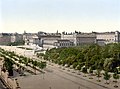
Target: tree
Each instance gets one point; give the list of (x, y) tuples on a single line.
[(116, 76), (107, 64), (106, 57), (84, 70), (8, 64), (106, 76), (115, 70), (98, 74), (42, 65), (34, 65), (75, 65), (79, 67), (26, 61), (91, 73), (94, 59), (40, 55)]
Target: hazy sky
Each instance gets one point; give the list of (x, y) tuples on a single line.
[(61, 15)]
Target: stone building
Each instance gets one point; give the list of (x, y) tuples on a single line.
[(63, 43), (80, 38), (15, 37), (31, 39), (48, 39), (108, 37), (5, 38)]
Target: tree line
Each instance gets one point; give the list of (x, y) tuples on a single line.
[(90, 56)]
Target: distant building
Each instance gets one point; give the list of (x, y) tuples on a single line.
[(42, 39), (108, 37), (34, 41), (100, 42), (31, 39), (63, 43), (80, 38), (15, 37), (5, 38), (51, 40), (48, 39)]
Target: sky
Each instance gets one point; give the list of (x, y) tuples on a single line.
[(62, 15)]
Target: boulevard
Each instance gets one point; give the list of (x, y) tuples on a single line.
[(55, 77)]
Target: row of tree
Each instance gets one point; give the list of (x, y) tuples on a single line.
[(87, 58), (10, 59), (91, 56)]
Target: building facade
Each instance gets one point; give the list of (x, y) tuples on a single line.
[(63, 43), (5, 38), (51, 40), (15, 37), (108, 37), (42, 39), (48, 40), (80, 38), (31, 39)]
